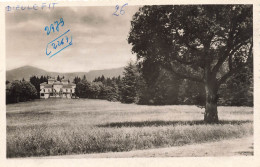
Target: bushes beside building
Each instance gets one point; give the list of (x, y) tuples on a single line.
[(20, 91), (100, 88), (36, 81)]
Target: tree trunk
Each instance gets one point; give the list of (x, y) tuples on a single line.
[(211, 112)]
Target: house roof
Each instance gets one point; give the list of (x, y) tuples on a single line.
[(57, 83), (51, 79), (44, 83), (67, 86), (48, 86)]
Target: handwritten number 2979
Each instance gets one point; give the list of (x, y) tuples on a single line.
[(122, 12), (48, 29)]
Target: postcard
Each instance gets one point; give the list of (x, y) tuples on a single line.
[(130, 83)]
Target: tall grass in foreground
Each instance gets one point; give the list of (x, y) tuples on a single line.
[(60, 140)]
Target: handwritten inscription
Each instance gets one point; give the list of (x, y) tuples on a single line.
[(59, 44), (122, 12), (52, 27), (30, 7)]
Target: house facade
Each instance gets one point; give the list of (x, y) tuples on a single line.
[(57, 89)]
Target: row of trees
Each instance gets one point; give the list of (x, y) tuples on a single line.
[(100, 88), (154, 86)]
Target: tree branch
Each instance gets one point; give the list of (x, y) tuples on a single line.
[(234, 70), (182, 61), (190, 47), (182, 75), (228, 53), (238, 46), (226, 76), (230, 63)]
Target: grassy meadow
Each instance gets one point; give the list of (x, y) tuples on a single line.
[(78, 126)]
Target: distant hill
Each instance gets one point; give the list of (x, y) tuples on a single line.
[(27, 71)]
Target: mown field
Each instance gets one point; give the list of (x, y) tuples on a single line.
[(80, 126)]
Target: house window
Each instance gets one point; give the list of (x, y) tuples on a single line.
[(42, 94), (43, 90)]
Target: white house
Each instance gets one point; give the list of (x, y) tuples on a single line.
[(54, 88)]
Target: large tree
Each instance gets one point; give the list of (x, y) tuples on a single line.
[(203, 43)]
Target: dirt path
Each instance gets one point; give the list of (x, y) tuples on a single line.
[(232, 147)]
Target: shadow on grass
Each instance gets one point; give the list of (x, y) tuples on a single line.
[(32, 113), (167, 123), (246, 153)]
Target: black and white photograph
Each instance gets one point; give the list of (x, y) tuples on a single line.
[(129, 81)]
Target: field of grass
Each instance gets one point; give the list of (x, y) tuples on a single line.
[(77, 126)]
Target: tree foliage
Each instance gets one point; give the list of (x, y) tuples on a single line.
[(130, 84), (100, 88), (238, 90), (19, 91), (36, 81)]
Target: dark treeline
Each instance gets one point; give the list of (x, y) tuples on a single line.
[(152, 85), (156, 86), (100, 88)]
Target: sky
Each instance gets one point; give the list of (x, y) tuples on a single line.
[(99, 39)]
